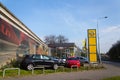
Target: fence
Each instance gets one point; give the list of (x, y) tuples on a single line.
[(11, 69)]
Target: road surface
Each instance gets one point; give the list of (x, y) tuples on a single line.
[(112, 69)]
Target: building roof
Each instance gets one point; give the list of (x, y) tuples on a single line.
[(62, 45)]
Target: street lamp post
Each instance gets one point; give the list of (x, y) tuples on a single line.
[(100, 61)]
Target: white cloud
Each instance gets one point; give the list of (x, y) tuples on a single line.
[(109, 36), (111, 29)]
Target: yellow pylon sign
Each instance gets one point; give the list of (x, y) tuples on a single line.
[(92, 45), (84, 44)]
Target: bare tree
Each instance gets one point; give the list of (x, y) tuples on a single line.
[(61, 39), (50, 39), (53, 39)]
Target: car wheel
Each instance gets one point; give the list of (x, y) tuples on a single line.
[(55, 66), (30, 66)]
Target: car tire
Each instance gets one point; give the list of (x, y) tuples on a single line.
[(55, 66), (30, 66)]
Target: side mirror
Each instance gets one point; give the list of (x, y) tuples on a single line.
[(50, 59)]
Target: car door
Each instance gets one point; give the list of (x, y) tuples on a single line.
[(37, 60), (47, 61)]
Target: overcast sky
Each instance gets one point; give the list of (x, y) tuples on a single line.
[(70, 18)]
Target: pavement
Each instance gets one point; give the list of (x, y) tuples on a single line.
[(111, 70)]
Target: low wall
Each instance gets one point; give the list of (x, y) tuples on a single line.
[(6, 57)]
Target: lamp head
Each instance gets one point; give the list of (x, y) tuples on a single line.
[(105, 17)]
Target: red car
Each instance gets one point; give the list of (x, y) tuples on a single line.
[(73, 61)]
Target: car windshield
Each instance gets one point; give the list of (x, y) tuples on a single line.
[(82, 58)]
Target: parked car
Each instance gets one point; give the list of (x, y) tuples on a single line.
[(72, 61), (35, 60), (83, 60), (61, 61)]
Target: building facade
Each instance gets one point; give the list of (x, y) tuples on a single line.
[(16, 38), (63, 50)]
